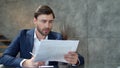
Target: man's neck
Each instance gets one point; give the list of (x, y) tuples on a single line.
[(39, 36)]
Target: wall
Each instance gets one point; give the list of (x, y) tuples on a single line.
[(94, 22)]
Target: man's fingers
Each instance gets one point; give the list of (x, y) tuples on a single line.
[(41, 63), (70, 60), (71, 57)]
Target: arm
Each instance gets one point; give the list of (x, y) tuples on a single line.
[(9, 56)]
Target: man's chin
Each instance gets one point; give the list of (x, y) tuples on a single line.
[(45, 34)]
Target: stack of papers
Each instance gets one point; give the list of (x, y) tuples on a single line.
[(54, 50)]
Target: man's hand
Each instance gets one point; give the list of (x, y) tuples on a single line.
[(31, 63), (71, 57)]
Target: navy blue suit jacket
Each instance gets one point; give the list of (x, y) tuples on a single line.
[(23, 44)]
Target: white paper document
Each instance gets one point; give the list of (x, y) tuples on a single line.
[(54, 50)]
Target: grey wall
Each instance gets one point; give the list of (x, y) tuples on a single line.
[(94, 22)]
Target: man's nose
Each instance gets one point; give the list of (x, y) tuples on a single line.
[(47, 25)]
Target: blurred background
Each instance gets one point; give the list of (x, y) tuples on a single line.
[(96, 23)]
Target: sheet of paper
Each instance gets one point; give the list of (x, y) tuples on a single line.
[(54, 50)]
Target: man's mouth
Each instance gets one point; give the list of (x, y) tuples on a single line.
[(46, 30)]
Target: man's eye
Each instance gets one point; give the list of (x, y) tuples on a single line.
[(43, 21), (50, 21)]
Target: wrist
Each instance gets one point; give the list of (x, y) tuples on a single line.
[(21, 63), (25, 63), (78, 62)]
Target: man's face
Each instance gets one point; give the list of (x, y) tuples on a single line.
[(44, 23)]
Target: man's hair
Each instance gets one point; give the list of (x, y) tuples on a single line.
[(43, 9)]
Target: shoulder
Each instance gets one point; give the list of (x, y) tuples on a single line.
[(55, 35), (25, 32)]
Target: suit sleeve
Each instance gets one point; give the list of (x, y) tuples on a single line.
[(9, 56), (81, 59)]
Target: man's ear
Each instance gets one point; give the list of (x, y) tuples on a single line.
[(35, 20)]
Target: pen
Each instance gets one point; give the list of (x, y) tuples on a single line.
[(46, 66), (31, 53)]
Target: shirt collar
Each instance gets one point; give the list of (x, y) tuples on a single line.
[(35, 37)]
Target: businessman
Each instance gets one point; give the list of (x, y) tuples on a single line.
[(28, 39)]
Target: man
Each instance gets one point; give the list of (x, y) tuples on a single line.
[(28, 39)]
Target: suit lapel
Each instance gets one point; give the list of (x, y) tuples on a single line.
[(30, 38)]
